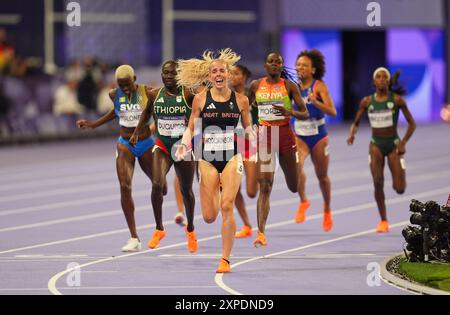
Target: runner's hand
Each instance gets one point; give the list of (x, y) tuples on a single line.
[(182, 152), (401, 148), (282, 111), (133, 139), (350, 140), (84, 124)]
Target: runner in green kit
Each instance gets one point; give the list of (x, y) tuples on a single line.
[(171, 110), (383, 110)]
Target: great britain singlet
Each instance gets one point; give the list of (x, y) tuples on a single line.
[(219, 120)]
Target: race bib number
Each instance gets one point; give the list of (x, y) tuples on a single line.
[(381, 119), (268, 113), (306, 127), (218, 141), (171, 126), (130, 118)]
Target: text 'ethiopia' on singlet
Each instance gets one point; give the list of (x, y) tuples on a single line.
[(171, 114), (219, 120), (383, 114), (272, 94), (129, 110)]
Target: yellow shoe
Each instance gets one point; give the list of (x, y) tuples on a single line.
[(383, 226), (157, 236), (327, 221), (300, 215), (224, 266), (246, 231), (192, 243), (260, 240)]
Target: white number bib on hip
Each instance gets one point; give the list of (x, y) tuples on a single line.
[(171, 126), (223, 141), (267, 112), (381, 119), (306, 127)]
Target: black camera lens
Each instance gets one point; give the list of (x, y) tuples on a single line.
[(416, 206), (417, 218)]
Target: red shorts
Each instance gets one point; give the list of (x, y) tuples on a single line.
[(279, 139), (246, 148)]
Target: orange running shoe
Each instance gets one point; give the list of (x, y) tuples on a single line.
[(192, 241), (246, 231), (224, 266), (300, 215), (157, 236), (260, 240), (383, 226), (327, 221)]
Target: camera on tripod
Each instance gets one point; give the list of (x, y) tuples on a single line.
[(429, 239)]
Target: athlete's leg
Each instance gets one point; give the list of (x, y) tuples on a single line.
[(251, 178), (302, 152), (398, 172), (178, 195), (185, 171), (209, 190), (230, 180), (376, 168), (125, 168), (266, 174), (160, 167), (288, 163), (321, 159)]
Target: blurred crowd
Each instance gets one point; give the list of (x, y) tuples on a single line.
[(34, 103)]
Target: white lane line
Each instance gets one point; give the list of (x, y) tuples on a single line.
[(250, 207), (360, 188), (54, 279), (59, 181), (52, 282), (115, 288), (219, 277), (50, 256), (60, 191), (316, 256), (25, 170), (142, 193)]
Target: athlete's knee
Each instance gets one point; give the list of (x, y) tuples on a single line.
[(125, 187), (400, 189), (251, 193), (378, 182), (293, 186), (265, 186), (158, 187), (323, 178), (227, 206), (209, 218)]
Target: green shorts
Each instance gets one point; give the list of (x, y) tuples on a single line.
[(386, 145)]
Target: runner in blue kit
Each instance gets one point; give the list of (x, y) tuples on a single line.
[(130, 99), (311, 134)]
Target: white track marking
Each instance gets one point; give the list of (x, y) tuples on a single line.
[(52, 282), (141, 193), (219, 277), (337, 192)]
